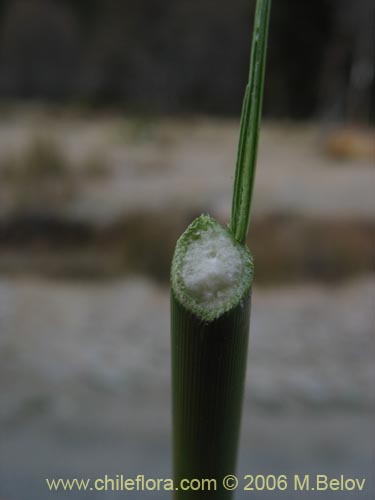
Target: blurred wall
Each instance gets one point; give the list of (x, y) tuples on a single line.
[(173, 56)]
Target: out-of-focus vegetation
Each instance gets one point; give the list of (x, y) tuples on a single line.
[(41, 175), (72, 210), (163, 56), (82, 190)]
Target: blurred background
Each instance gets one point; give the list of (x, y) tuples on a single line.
[(118, 125)]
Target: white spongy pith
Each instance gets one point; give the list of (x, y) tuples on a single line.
[(212, 268)]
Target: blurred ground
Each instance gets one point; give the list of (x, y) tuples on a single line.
[(149, 164), (89, 196), (91, 207), (85, 382)]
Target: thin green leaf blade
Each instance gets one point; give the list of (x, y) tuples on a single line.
[(250, 125)]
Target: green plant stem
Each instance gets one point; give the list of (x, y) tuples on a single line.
[(250, 124), (209, 348), (208, 368)]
